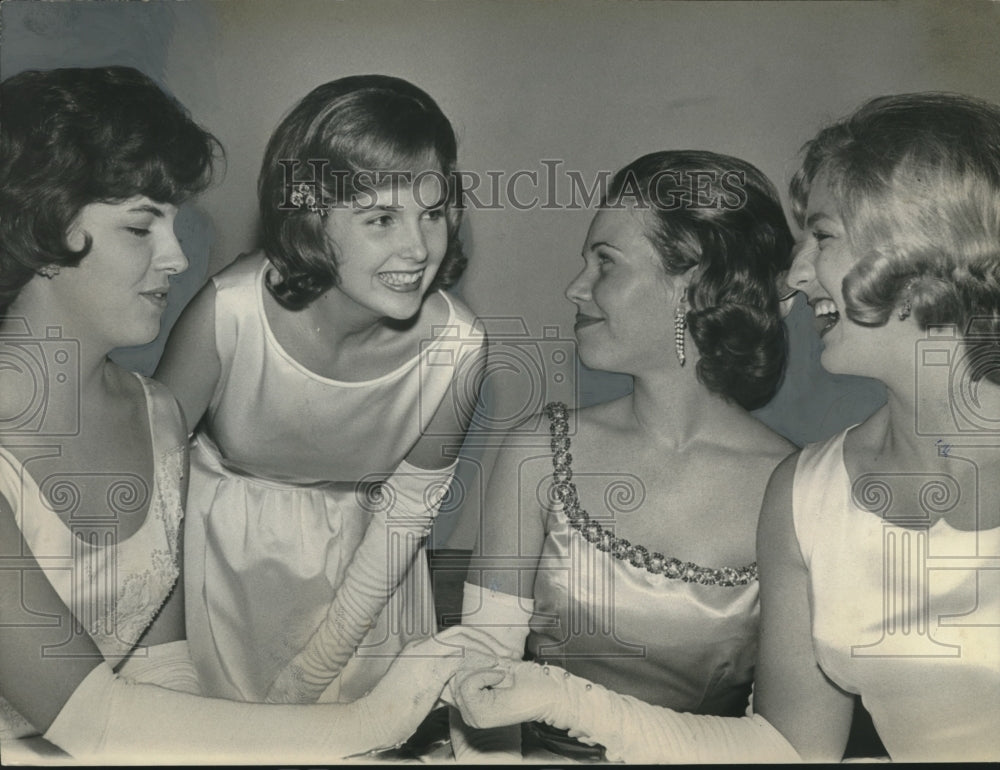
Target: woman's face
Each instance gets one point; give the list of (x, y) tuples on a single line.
[(119, 290), (624, 298), (823, 257), (389, 246)]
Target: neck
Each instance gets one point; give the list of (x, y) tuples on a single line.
[(77, 367), (917, 424), (674, 408), (341, 321)]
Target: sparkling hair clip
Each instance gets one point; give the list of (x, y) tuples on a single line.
[(303, 197)]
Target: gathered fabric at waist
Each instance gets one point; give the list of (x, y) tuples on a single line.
[(212, 457), (263, 561)]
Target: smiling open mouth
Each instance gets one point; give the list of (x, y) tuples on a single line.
[(402, 281), (827, 315)]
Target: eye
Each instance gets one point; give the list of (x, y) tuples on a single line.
[(139, 232), (821, 235), (382, 220), (433, 215), (604, 259)]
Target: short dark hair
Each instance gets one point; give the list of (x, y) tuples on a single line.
[(358, 125), (917, 180), (75, 136), (721, 216)]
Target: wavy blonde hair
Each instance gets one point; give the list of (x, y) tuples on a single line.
[(917, 180)]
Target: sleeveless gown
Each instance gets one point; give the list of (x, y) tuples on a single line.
[(671, 633), (114, 589), (907, 617), (269, 537)]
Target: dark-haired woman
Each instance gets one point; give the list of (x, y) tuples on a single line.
[(327, 361), (628, 551), (94, 164), (878, 547)]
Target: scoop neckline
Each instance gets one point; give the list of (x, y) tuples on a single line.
[(154, 486), (306, 371), (849, 484)]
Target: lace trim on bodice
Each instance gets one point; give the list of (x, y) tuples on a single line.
[(142, 592), (564, 490), (114, 589)]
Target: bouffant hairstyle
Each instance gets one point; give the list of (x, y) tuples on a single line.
[(356, 128), (917, 181), (71, 137), (722, 217)]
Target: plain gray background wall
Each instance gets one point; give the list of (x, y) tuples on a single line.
[(591, 85)]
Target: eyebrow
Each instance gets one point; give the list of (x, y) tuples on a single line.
[(814, 218), (147, 208), (598, 244), (362, 210)]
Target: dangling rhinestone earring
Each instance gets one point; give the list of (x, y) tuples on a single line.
[(49, 271), (680, 324), (904, 311)]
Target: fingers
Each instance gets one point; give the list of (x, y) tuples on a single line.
[(475, 696), (468, 682), (471, 638)]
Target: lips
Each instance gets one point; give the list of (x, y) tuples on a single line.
[(826, 314), (402, 281), (583, 320), (156, 296)]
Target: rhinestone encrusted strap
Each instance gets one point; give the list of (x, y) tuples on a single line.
[(564, 490)]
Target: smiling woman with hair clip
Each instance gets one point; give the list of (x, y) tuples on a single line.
[(878, 547), (93, 459), (317, 372)]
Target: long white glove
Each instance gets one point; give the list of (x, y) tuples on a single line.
[(505, 618), (165, 665), (110, 720), (410, 500), (631, 730)]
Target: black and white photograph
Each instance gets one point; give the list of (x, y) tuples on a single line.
[(466, 382)]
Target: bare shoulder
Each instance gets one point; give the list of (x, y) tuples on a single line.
[(752, 438)]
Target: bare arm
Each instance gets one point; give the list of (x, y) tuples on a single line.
[(443, 437), (504, 564), (511, 527), (791, 691), (35, 620), (83, 708), (190, 365)]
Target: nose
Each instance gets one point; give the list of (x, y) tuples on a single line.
[(803, 269), (170, 258), (579, 289), (415, 245)]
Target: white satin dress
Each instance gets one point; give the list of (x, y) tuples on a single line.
[(114, 589), (670, 633), (907, 617), (268, 536)]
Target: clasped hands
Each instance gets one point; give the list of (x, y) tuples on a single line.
[(489, 688)]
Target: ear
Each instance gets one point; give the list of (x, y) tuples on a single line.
[(76, 236), (683, 282), (786, 294)]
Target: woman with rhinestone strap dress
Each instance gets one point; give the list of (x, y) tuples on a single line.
[(878, 547), (94, 164), (634, 536), (313, 369)]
